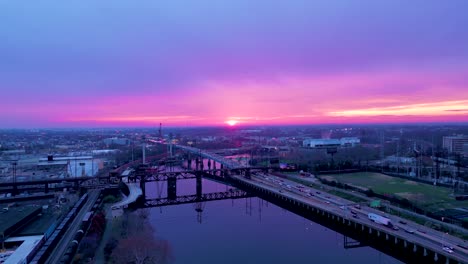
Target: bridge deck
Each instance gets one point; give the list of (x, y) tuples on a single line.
[(218, 158)]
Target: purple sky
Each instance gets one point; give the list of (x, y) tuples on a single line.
[(126, 63)]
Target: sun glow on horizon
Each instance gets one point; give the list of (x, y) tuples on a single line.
[(232, 122)]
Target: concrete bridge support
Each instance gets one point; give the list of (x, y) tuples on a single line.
[(247, 173), (199, 185), (201, 164), (172, 188), (46, 188)]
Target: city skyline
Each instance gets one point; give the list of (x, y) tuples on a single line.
[(197, 63)]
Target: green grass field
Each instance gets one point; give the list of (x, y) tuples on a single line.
[(430, 197)]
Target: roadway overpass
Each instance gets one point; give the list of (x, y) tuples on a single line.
[(227, 163)]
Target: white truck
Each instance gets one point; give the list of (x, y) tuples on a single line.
[(380, 219)]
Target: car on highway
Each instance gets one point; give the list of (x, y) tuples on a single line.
[(448, 246), (402, 222), (395, 228), (447, 249)]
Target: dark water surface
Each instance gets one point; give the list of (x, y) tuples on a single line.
[(247, 231)]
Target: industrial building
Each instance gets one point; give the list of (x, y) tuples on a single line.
[(455, 143), (116, 141), (327, 143)]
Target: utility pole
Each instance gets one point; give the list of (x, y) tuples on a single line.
[(398, 156), (382, 151)]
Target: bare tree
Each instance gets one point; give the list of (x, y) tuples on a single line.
[(138, 244)]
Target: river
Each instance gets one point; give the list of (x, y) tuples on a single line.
[(248, 230)]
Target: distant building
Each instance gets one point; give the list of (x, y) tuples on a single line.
[(350, 141), (455, 143), (327, 143), (321, 143), (117, 141), (465, 150)]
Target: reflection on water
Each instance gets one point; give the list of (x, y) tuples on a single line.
[(247, 231)]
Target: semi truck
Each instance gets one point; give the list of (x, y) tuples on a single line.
[(380, 219)]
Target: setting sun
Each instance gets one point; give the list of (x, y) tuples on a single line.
[(232, 122)]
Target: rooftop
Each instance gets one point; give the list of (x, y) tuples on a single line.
[(11, 218), (23, 251)]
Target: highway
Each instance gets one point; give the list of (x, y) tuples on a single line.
[(135, 192), (431, 239), (62, 246)]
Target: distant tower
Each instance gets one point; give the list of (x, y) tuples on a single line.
[(144, 153), (160, 131)]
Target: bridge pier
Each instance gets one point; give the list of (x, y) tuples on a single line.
[(209, 164), (199, 185), (247, 174), (46, 188), (172, 188), (189, 164)]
